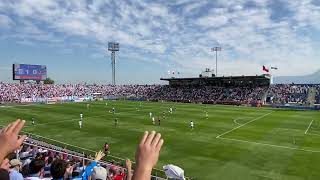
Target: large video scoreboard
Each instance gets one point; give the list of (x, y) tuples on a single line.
[(29, 72)]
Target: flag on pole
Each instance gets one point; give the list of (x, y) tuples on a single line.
[(265, 69)]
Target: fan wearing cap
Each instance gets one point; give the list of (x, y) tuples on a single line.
[(99, 173), (174, 172), (16, 166)]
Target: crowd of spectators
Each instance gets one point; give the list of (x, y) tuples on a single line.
[(14, 92), (289, 93), (317, 98), (281, 93), (208, 94), (28, 159)]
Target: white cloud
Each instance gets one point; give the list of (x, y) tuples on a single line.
[(181, 36), (5, 22), (212, 21)]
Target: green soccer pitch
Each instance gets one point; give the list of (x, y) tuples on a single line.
[(232, 143)]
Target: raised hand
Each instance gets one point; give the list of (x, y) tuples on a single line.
[(147, 155), (5, 165), (128, 164), (129, 168), (99, 156), (9, 138)]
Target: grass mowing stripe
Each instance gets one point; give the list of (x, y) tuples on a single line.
[(272, 145)]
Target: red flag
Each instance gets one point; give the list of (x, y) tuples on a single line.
[(265, 69)]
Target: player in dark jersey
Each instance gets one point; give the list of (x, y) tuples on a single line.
[(116, 122), (106, 148), (159, 121)]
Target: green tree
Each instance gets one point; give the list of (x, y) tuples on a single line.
[(48, 81)]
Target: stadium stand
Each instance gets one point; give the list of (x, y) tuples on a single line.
[(317, 99), (286, 93), (281, 93), (208, 94)]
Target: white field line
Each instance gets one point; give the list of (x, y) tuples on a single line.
[(287, 129), (271, 145), (308, 127), (235, 121), (65, 120), (260, 117)]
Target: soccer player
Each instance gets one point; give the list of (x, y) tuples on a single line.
[(113, 110), (150, 114), (106, 148), (191, 125), (116, 122), (80, 123), (153, 120), (207, 115), (33, 121), (106, 103), (88, 106), (81, 116), (170, 110), (159, 121)]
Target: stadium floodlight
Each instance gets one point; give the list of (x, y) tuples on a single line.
[(216, 49), (113, 47)]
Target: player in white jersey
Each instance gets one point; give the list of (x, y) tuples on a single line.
[(191, 125), (106, 103), (33, 121), (81, 116), (88, 106), (150, 114), (80, 124), (170, 110), (153, 120), (207, 115)]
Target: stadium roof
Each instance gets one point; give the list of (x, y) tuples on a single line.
[(258, 80)]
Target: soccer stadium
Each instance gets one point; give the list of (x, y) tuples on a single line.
[(140, 90)]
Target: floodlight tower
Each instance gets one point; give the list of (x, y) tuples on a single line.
[(113, 47), (216, 49)]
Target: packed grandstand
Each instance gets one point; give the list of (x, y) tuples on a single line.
[(37, 154), (278, 93)]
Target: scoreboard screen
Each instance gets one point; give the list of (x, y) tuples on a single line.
[(29, 72)]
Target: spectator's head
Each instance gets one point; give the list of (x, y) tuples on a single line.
[(49, 161), (16, 164), (99, 173), (58, 168), (36, 167)]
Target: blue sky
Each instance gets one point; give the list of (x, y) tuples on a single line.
[(157, 36)]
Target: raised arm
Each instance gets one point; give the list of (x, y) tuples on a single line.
[(147, 155), (9, 138)]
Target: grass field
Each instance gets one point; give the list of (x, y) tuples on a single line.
[(233, 143)]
